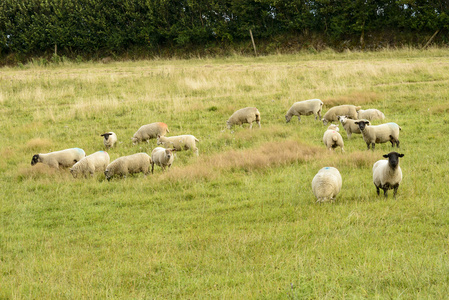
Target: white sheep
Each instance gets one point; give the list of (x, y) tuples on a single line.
[(378, 134), (349, 125), (179, 142), (244, 115), (63, 158), (326, 184), (110, 138), (306, 108), (332, 139), (150, 131), (342, 110), (130, 164), (162, 157), (370, 114), (96, 162), (387, 174)]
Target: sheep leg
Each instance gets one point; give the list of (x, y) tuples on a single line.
[(258, 123), (367, 144), (377, 190), (152, 167), (397, 143), (299, 118), (251, 125), (385, 192), (395, 190), (372, 146)]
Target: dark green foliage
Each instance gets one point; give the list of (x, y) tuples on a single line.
[(88, 27)]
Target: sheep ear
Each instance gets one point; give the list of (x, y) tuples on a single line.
[(386, 155), (356, 122), (401, 155)]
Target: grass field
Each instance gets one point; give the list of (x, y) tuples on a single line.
[(240, 221)]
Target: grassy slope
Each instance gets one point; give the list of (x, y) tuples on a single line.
[(239, 221)]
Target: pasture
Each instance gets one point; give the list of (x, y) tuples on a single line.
[(239, 221)]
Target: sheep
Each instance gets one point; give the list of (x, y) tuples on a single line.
[(130, 164), (343, 110), (63, 158), (370, 114), (387, 174), (244, 115), (150, 131), (162, 157), (95, 162), (379, 134), (326, 184), (110, 138), (180, 142), (332, 139), (306, 108), (349, 126)]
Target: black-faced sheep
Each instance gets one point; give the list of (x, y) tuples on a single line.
[(387, 174), (379, 134), (110, 138), (63, 158)]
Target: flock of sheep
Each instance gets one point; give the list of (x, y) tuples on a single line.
[(325, 185)]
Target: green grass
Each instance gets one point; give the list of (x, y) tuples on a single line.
[(241, 220)]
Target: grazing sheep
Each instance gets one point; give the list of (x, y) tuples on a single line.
[(326, 184), (162, 157), (387, 174), (306, 108), (332, 139), (179, 143), (379, 134), (110, 138), (244, 115), (349, 125), (150, 131), (343, 110), (130, 164), (63, 158), (370, 114), (96, 162)]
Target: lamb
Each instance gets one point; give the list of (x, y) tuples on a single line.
[(179, 143), (332, 139), (349, 125), (95, 162), (343, 110), (162, 157), (387, 174), (110, 138), (130, 164), (379, 134), (63, 158), (306, 108), (326, 184), (244, 115), (370, 114), (150, 131)]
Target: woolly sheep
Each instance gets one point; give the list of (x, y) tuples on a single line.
[(96, 162), (332, 139), (306, 108), (122, 166), (244, 115), (379, 134), (162, 157), (150, 131), (63, 158), (349, 125), (370, 114), (343, 110), (110, 138), (326, 184), (387, 174), (179, 143)]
